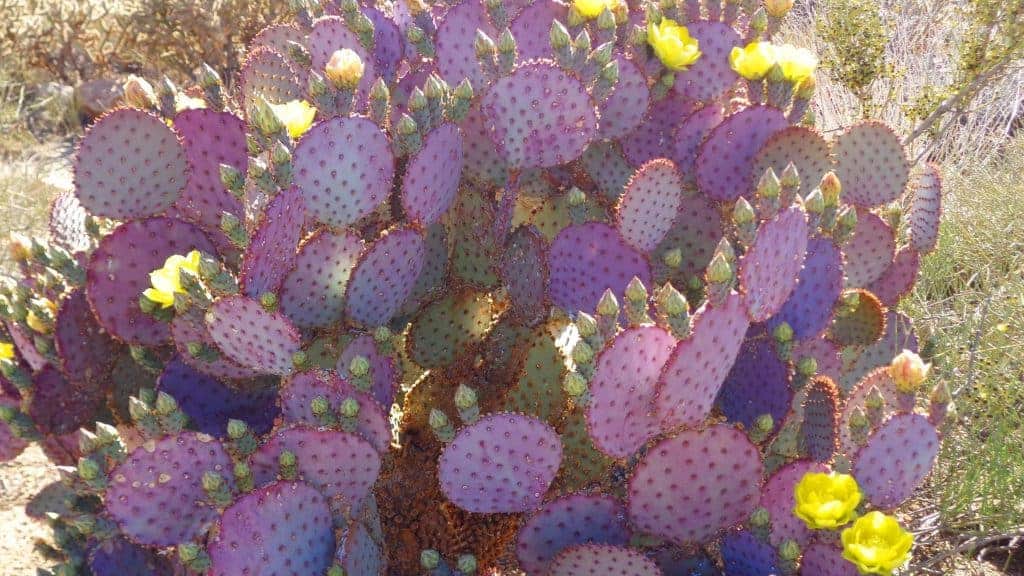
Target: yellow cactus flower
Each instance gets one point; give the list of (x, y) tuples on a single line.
[(186, 102), (6, 351), (345, 69), (166, 281), (753, 61), (908, 371), (826, 501), (877, 544), (797, 63), (296, 115), (591, 9), (673, 44)]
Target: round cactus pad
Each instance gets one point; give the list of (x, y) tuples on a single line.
[(456, 56), (899, 335), (869, 252), (604, 162), (689, 137), (524, 270), (861, 326), (271, 252), (67, 223), (118, 273), (538, 389), (472, 248), (330, 34), (532, 29), (447, 329), (757, 384), (130, 165), (191, 327), (540, 116), (744, 555), (619, 415), (156, 495), (871, 163), (696, 232), (710, 76), (824, 352), (384, 277), (925, 209), (338, 464), (808, 310), (313, 293), (623, 111), (209, 403), (481, 161), (726, 159), (435, 268), (283, 529), (896, 459), (802, 146), (602, 559), (344, 167), (388, 43), (770, 268), (777, 498), (878, 380), (646, 211), (819, 433), (683, 494), (277, 37), (899, 278), (692, 377), (383, 372), (674, 561), (300, 389), (268, 74), (654, 137), (84, 349), (825, 559), (120, 557), (432, 175), (211, 138), (358, 553), (251, 336), (59, 406), (501, 463), (586, 260), (568, 521)]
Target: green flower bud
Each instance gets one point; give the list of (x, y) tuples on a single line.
[(507, 42), (636, 292), (212, 482), (465, 397), (586, 324), (466, 564), (671, 302), (814, 203), (88, 469), (574, 384), (673, 258), (576, 196), (760, 518), (831, 188), (299, 359), (268, 300), (790, 177), (188, 552), (208, 77), (769, 185), (237, 429), (464, 91), (807, 366), (582, 353), (743, 212), (417, 100), (789, 550), (430, 559), (764, 423), (608, 305), (359, 366), (719, 270), (606, 20), (483, 45), (438, 419), (759, 20), (406, 125), (783, 333), (559, 35), (320, 406), (349, 408), (287, 460)]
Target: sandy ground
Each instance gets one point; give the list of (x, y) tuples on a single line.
[(20, 479)]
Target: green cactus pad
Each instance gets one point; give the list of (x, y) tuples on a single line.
[(313, 292), (925, 209), (583, 464), (690, 135), (345, 168), (680, 494), (896, 459), (432, 175), (726, 158), (777, 498), (871, 163), (130, 165), (524, 271), (602, 559), (869, 253), (449, 328), (646, 211), (770, 268), (898, 280), (67, 223), (526, 133), (249, 335), (384, 277), (605, 164), (10, 445), (899, 335), (267, 73), (862, 326), (802, 146), (472, 249), (819, 433), (538, 389), (430, 282)]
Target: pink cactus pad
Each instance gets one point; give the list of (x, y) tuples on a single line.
[(85, 351), (267, 73), (67, 223), (808, 311), (330, 34), (822, 558), (432, 175), (623, 111), (313, 292), (824, 352), (757, 384), (689, 137), (384, 277), (568, 521), (156, 496), (209, 403), (344, 167), (118, 273), (654, 137), (456, 58), (300, 389), (532, 29), (899, 278), (710, 76), (819, 433), (586, 260), (726, 159), (869, 252), (802, 146), (277, 37), (680, 493), (691, 378), (878, 379), (22, 340), (646, 211), (871, 163), (388, 44), (696, 232), (338, 464), (602, 559), (481, 161), (770, 268), (896, 459), (357, 553), (383, 372), (251, 336), (271, 252), (191, 327), (524, 270), (129, 165), (501, 463), (283, 529), (518, 108), (777, 498), (899, 335), (620, 417), (745, 555), (59, 406), (926, 209)]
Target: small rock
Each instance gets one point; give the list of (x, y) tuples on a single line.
[(95, 97)]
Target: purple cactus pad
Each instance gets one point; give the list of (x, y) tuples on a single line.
[(456, 56), (330, 34), (690, 135), (59, 406), (501, 463), (268, 74), (388, 44), (156, 496), (251, 336), (383, 372), (869, 253), (757, 384), (313, 293), (825, 559), (22, 340), (271, 252), (67, 223), (384, 277), (896, 459), (586, 260), (680, 493), (745, 555), (432, 175), (777, 498), (118, 273), (727, 156), (209, 404), (808, 311), (602, 559), (607, 167), (819, 433), (120, 557), (532, 29), (624, 109), (824, 352), (568, 521), (647, 209), (871, 163), (899, 278), (284, 529), (481, 161), (691, 379), (85, 351), (540, 116), (802, 146), (191, 327), (524, 270), (676, 562), (710, 76), (696, 232), (770, 268), (926, 209), (619, 415), (358, 553), (300, 389), (654, 137), (435, 269), (129, 165)]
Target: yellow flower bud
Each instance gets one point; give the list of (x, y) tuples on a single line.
[(826, 501), (590, 9), (778, 8), (908, 371), (753, 61), (166, 281), (138, 93), (673, 44), (20, 247), (6, 351), (297, 116), (877, 544), (345, 69)]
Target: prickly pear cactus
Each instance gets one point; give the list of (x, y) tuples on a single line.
[(484, 286)]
